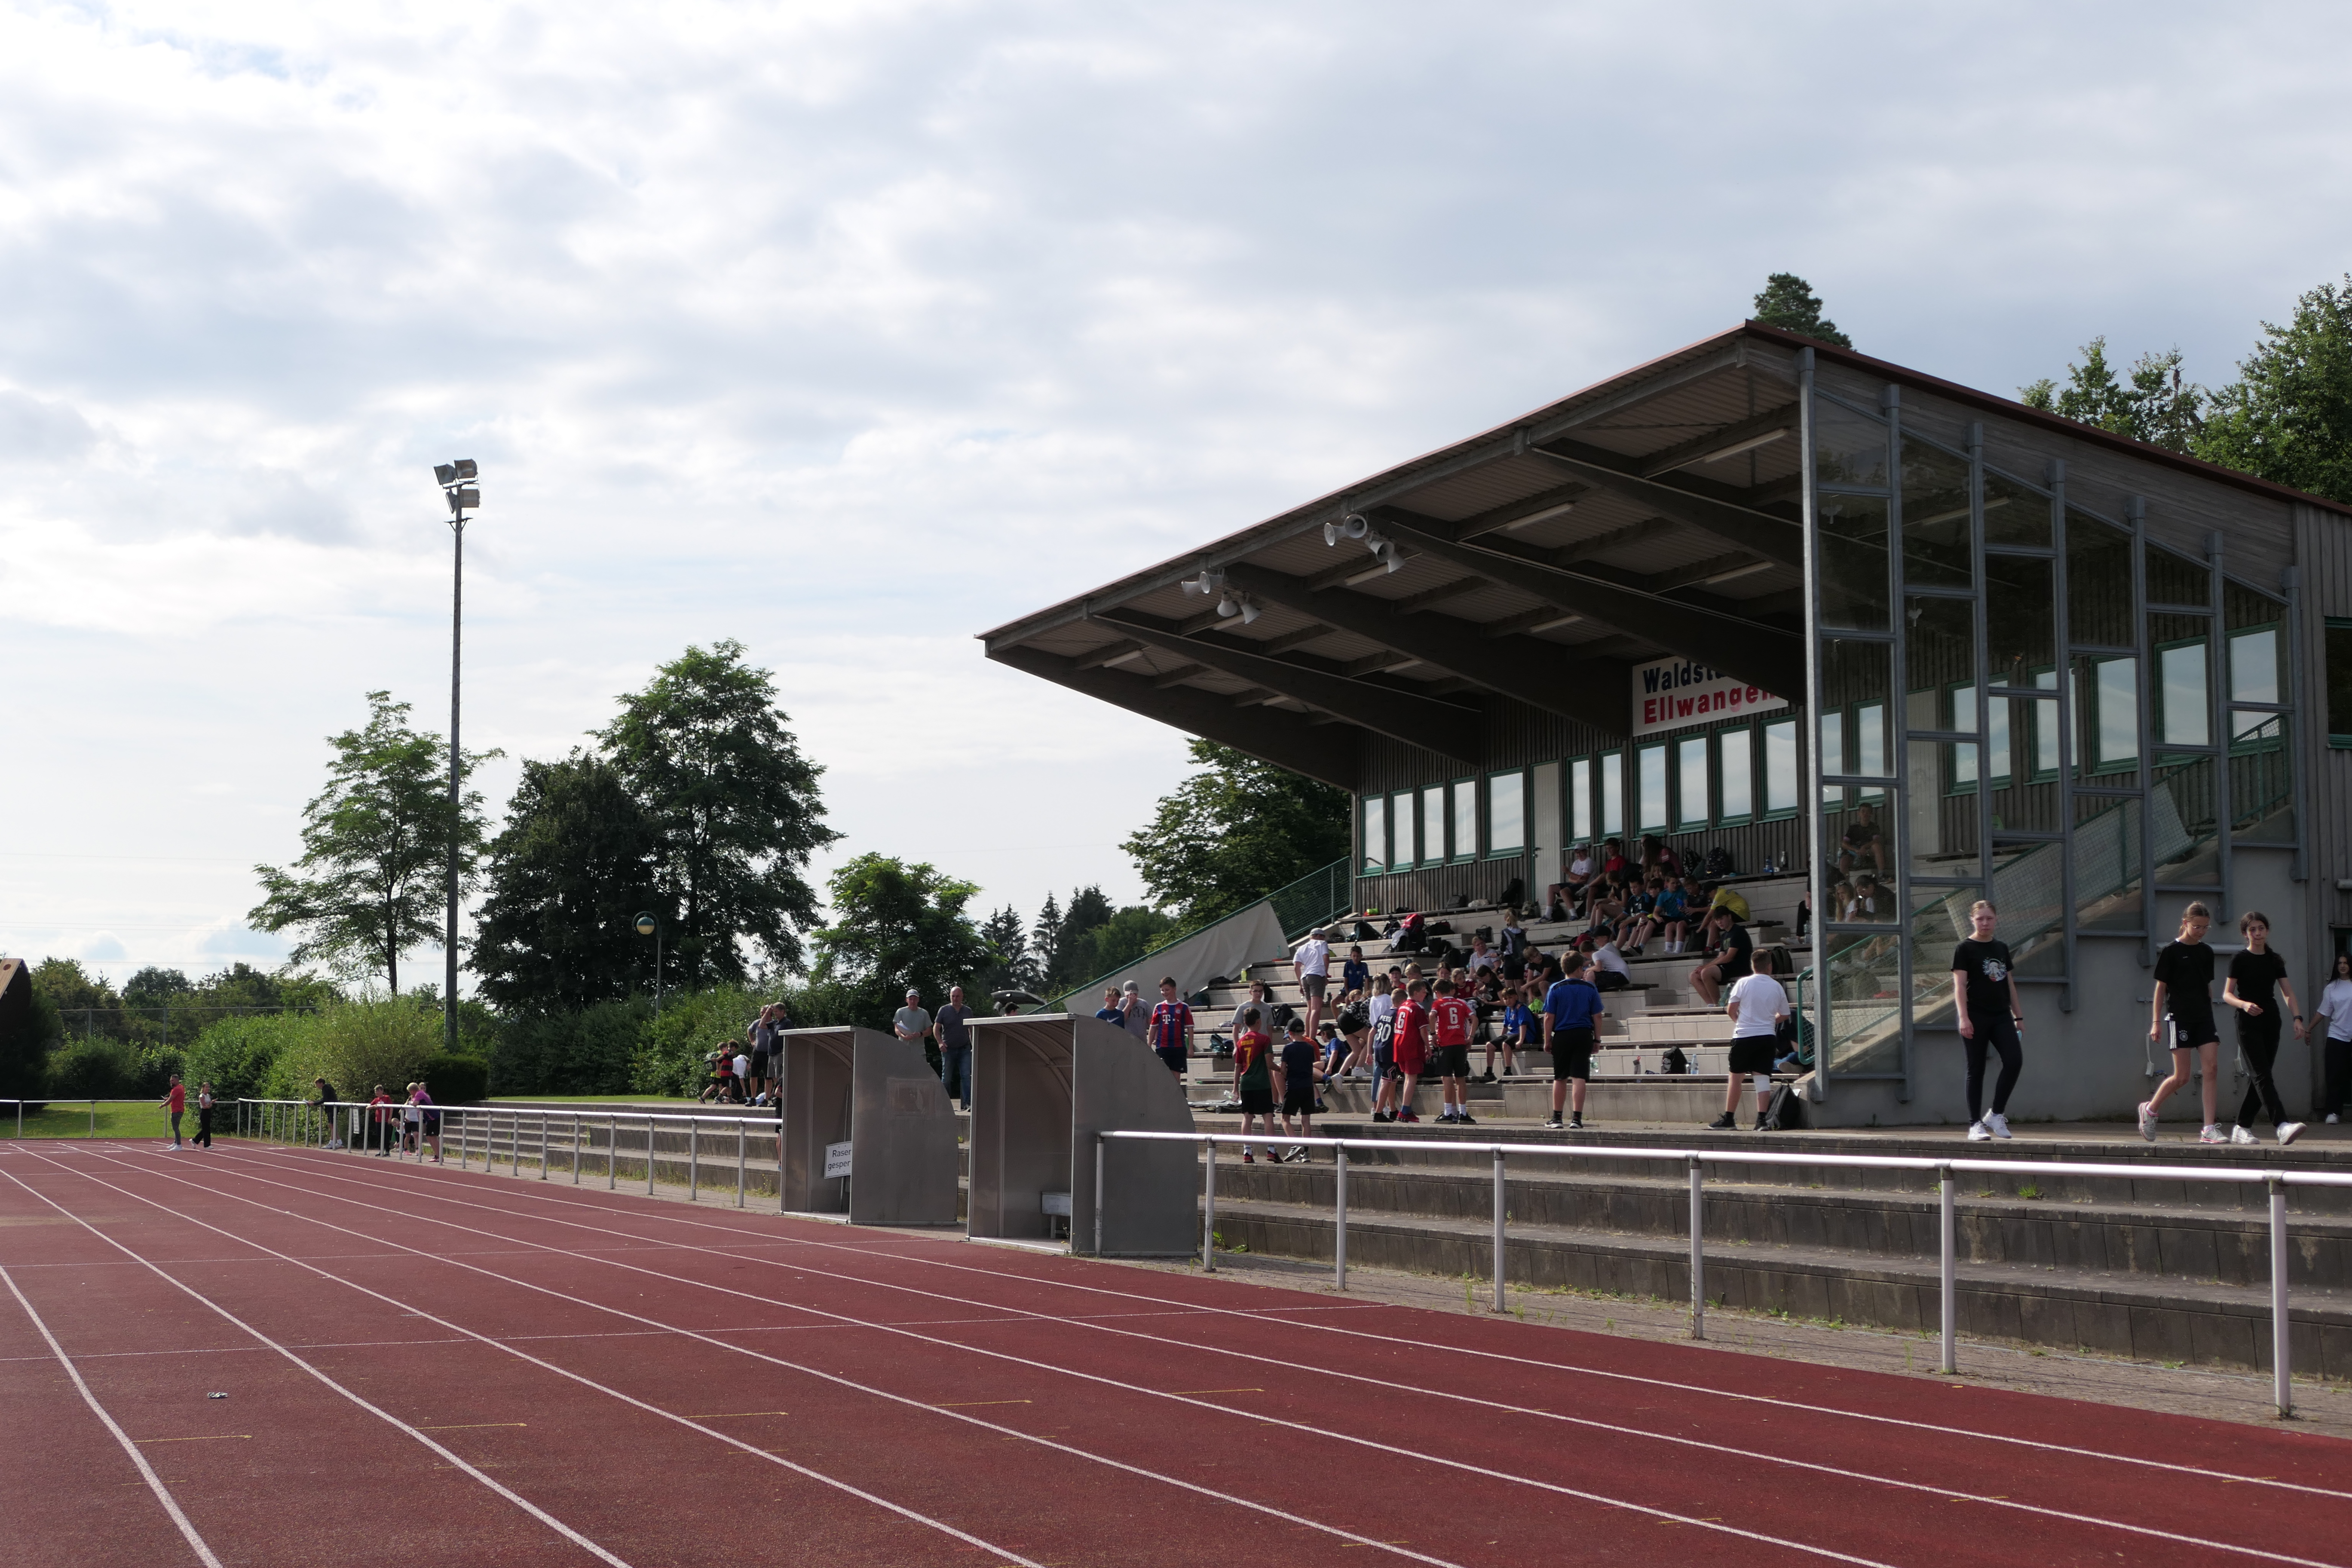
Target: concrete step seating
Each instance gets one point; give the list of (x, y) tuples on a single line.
[(2154, 1269)]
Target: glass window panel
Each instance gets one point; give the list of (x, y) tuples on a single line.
[(1651, 769), (1936, 547), (1780, 772), (2107, 863), (1854, 562), (1692, 806), (1507, 813), (1833, 759), (1865, 1001), (1870, 754), (2028, 889), (1862, 878), (1376, 834), (2021, 617), (1939, 925), (2107, 691), (1466, 819), (1580, 824), (1433, 823), (2183, 710), (2026, 800), (2182, 823), (1613, 793), (2098, 582), (1939, 648), (2254, 666), (1960, 714), (2339, 683), (1401, 813), (1735, 774), (2177, 580), (1849, 448), (1939, 806), (2262, 779), (2015, 514)]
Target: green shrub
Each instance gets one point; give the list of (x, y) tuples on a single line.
[(456, 1080), (587, 1052), (236, 1054), (95, 1068), (356, 1046)]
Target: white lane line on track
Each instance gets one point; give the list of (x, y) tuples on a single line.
[(1619, 1504), (525, 1504), (1952, 1493), (146, 1472), (1524, 1363), (711, 1432)]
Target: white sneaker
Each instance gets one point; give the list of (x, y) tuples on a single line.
[(2289, 1132), (1978, 1133), (2240, 1135), (1998, 1123), (2213, 1134), (2146, 1121), (2331, 1118)]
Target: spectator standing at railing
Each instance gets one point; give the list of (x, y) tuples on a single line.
[(2253, 975), (955, 1046), (176, 1101), (381, 1112), (412, 1119), (428, 1125), (325, 1102), (2335, 1006), (204, 1116)]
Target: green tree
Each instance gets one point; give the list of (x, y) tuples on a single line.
[(1125, 937), (566, 880), (1790, 303), (153, 988), (1014, 968), (1046, 941), (65, 982), (375, 848), (896, 925), (2288, 417), (2154, 405), (732, 807), (30, 1030), (1234, 832)]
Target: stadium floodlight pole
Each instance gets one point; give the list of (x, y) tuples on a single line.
[(649, 926), (457, 488)]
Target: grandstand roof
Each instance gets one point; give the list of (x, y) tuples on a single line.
[(1653, 514)]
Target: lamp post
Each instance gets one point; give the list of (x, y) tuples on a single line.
[(457, 488), (649, 926)]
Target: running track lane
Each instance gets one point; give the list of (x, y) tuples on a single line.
[(596, 1476), (2003, 1538), (2061, 1490)]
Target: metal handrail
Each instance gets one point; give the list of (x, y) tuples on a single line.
[(1695, 1160), (93, 1102)]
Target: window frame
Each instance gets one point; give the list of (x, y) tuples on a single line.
[(1520, 778), (1678, 774), (1766, 811), (1456, 792), (1642, 751), (1725, 817), (1366, 806)]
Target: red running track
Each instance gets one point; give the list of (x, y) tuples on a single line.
[(424, 1361)]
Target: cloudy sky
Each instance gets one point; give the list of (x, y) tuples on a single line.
[(849, 331)]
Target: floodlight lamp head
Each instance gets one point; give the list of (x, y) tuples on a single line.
[(466, 469), (1355, 525), (445, 473), (1210, 581), (459, 500), (1250, 612), (1226, 606)]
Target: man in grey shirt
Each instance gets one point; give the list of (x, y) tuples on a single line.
[(955, 1046), (912, 1023), (1138, 1011)]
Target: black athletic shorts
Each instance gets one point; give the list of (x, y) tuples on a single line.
[(1311, 985), (1571, 1053), (1258, 1103), (1176, 1058), (1299, 1101), (1450, 1061), (2197, 1029), (1754, 1052)]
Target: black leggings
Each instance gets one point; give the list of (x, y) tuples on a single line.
[(1999, 1032), (2258, 1042), (2338, 1058)]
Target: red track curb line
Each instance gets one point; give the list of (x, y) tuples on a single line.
[(1291, 1517), (1524, 1362), (146, 1472), (2093, 1521), (777, 1361)]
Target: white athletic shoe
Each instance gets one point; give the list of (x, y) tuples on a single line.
[(2146, 1121), (2213, 1134), (1998, 1123), (2332, 1118), (2289, 1132), (1978, 1133), (2240, 1135)]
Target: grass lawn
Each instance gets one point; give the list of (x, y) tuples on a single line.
[(588, 1099), (116, 1119)]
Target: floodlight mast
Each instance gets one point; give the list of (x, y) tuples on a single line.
[(456, 487)]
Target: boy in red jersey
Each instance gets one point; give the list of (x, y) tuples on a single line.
[(1254, 1080), (1409, 1047), (1170, 1029), (1451, 1019)]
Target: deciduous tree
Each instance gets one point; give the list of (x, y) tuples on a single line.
[(2288, 416), (1234, 832), (896, 925), (566, 879)]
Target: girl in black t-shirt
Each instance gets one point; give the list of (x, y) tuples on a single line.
[(1984, 995), (2252, 974), (2184, 989)]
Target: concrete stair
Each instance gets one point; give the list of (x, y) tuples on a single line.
[(2154, 1269)]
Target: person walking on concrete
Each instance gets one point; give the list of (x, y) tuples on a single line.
[(176, 1101), (327, 1111), (952, 1026), (1756, 1006), (1136, 1012), (2184, 991), (204, 1116), (1984, 1000), (1171, 1030), (912, 1024), (2248, 991), (1313, 957), (1572, 1009), (2335, 1006)]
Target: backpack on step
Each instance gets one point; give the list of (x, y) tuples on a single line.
[(1786, 1110)]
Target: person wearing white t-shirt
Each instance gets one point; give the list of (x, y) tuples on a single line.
[(2335, 1006), (1756, 1007), (1313, 957)]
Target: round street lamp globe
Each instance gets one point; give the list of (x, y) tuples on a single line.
[(645, 925)]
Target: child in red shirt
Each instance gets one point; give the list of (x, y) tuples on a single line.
[(1255, 1080), (1409, 1047), (1452, 1020), (176, 1102)]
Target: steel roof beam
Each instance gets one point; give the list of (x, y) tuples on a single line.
[(1766, 535)]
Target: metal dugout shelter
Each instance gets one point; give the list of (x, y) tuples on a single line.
[(875, 1092)]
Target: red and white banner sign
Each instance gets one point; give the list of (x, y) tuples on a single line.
[(1672, 693)]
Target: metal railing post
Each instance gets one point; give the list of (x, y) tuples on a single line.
[(575, 1148), (1498, 1228), (1948, 1255), (693, 1158), (740, 1135), (543, 1120), (650, 1156), (93, 1116), (2282, 1345), (1340, 1235), (1209, 1209), (1100, 1144), (612, 1153), (1697, 1254)]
